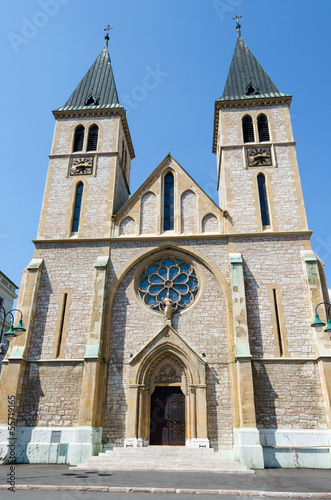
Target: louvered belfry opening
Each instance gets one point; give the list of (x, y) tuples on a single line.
[(92, 142), (262, 124), (79, 139), (168, 221), (263, 200), (248, 129)]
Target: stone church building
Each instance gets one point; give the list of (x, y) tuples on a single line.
[(162, 318)]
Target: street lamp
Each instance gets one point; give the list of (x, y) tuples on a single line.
[(318, 323), (14, 331)]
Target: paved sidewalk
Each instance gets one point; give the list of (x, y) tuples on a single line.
[(268, 482)]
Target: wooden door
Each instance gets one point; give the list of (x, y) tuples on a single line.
[(167, 417)]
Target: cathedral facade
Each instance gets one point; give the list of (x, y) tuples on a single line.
[(164, 318)]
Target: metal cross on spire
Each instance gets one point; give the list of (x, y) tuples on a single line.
[(238, 25), (107, 34)]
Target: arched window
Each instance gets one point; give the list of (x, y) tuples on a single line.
[(168, 220), (248, 129), (263, 200), (262, 125), (78, 204), (92, 142), (79, 139)]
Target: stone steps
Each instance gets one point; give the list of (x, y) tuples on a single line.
[(163, 458)]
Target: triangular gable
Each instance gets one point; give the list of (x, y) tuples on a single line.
[(167, 341), (185, 185)]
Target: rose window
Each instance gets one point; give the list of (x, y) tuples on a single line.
[(168, 276)]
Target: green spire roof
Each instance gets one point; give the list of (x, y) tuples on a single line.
[(97, 89), (247, 79)]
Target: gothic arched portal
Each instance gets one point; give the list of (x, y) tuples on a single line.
[(167, 362)]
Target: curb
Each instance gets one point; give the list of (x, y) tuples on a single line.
[(128, 489)]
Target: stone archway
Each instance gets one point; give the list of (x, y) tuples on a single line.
[(167, 361)]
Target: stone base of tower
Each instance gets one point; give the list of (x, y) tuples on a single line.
[(253, 448), (247, 448), (51, 445), (296, 448)]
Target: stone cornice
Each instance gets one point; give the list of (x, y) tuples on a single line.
[(287, 360), (259, 144), (83, 153), (167, 237)]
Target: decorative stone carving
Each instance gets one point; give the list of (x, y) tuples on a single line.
[(167, 375), (168, 308), (168, 279)]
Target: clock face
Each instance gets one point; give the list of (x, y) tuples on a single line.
[(259, 157), (81, 166)]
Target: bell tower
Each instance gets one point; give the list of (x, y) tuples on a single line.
[(89, 168), (258, 177)]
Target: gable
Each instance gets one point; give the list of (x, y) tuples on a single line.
[(193, 211)]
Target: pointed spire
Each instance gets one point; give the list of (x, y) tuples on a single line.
[(247, 79), (97, 89)]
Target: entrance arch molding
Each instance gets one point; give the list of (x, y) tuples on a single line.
[(167, 348)]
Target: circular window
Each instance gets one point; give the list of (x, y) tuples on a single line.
[(168, 276)]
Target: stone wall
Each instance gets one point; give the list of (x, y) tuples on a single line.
[(189, 212), (148, 214), (288, 395), (70, 268), (50, 395), (269, 262), (238, 186), (98, 196), (210, 224), (121, 194), (128, 226)]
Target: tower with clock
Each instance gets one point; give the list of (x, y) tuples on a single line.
[(162, 319)]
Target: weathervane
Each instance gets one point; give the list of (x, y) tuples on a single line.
[(238, 25), (107, 34)]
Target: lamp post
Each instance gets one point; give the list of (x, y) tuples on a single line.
[(14, 331), (318, 323)]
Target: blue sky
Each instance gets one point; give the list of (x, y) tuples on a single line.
[(48, 45)]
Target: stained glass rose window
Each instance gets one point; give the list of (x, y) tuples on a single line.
[(168, 275)]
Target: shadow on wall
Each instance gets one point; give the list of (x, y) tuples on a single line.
[(253, 313), (212, 422), (28, 412), (39, 324), (264, 396), (265, 408), (115, 409)]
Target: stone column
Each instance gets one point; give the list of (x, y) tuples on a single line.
[(322, 339), (246, 438), (132, 427), (192, 413), (201, 440), (13, 368), (94, 378), (141, 416)]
